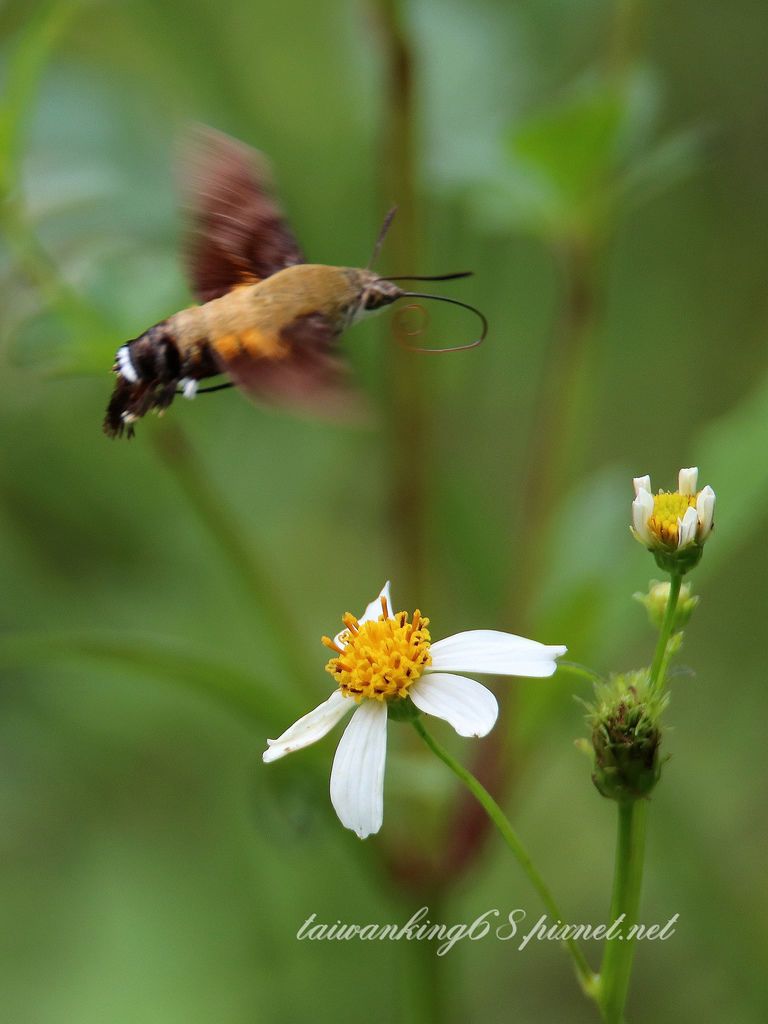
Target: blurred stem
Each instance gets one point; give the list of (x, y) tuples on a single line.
[(25, 70), (563, 396), (177, 454), (625, 33), (429, 1006), (613, 981), (407, 410), (556, 435), (81, 319), (658, 666), (248, 697), (496, 815)]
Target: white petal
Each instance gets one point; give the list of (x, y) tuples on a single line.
[(468, 706), (373, 611), (357, 776), (705, 509), (642, 510), (311, 728), (642, 483), (687, 527), (488, 650), (686, 480)]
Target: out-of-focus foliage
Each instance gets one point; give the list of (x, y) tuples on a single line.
[(153, 869)]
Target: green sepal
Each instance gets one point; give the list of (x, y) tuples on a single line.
[(402, 710), (679, 560)]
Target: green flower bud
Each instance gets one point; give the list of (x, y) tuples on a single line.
[(626, 736), (656, 600)]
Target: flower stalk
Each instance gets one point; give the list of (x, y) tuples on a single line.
[(658, 666), (586, 976), (613, 983), (177, 454), (616, 969), (677, 545)]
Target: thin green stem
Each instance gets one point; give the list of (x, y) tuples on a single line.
[(81, 319), (585, 974), (251, 699), (25, 72), (656, 676), (557, 429), (178, 455), (616, 968), (580, 671)]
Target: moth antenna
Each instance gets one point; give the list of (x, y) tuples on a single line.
[(454, 302), (381, 236)]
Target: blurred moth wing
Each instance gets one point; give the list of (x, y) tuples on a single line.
[(237, 231), (238, 237)]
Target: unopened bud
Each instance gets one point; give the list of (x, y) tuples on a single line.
[(626, 736), (656, 601)]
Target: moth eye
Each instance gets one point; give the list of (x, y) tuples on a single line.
[(377, 299)]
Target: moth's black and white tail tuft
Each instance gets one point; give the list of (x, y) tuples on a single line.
[(132, 400)]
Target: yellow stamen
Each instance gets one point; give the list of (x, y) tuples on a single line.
[(380, 660), (668, 510), (331, 644)]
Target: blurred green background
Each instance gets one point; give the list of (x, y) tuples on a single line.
[(601, 168)]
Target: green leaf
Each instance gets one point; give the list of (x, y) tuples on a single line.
[(572, 145)]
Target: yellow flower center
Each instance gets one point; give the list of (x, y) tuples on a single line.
[(380, 660), (667, 510)]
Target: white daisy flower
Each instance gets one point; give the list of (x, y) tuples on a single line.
[(673, 521), (382, 658)]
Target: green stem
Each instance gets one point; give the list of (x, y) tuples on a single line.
[(581, 671), (630, 848), (557, 440), (251, 699), (656, 676), (585, 974), (26, 68), (178, 455), (627, 881)]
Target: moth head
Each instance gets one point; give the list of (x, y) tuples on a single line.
[(374, 294)]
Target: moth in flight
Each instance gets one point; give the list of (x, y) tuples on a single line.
[(266, 318)]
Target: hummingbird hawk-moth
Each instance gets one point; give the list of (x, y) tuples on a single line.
[(266, 318)]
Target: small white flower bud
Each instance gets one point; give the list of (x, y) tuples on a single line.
[(673, 525)]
